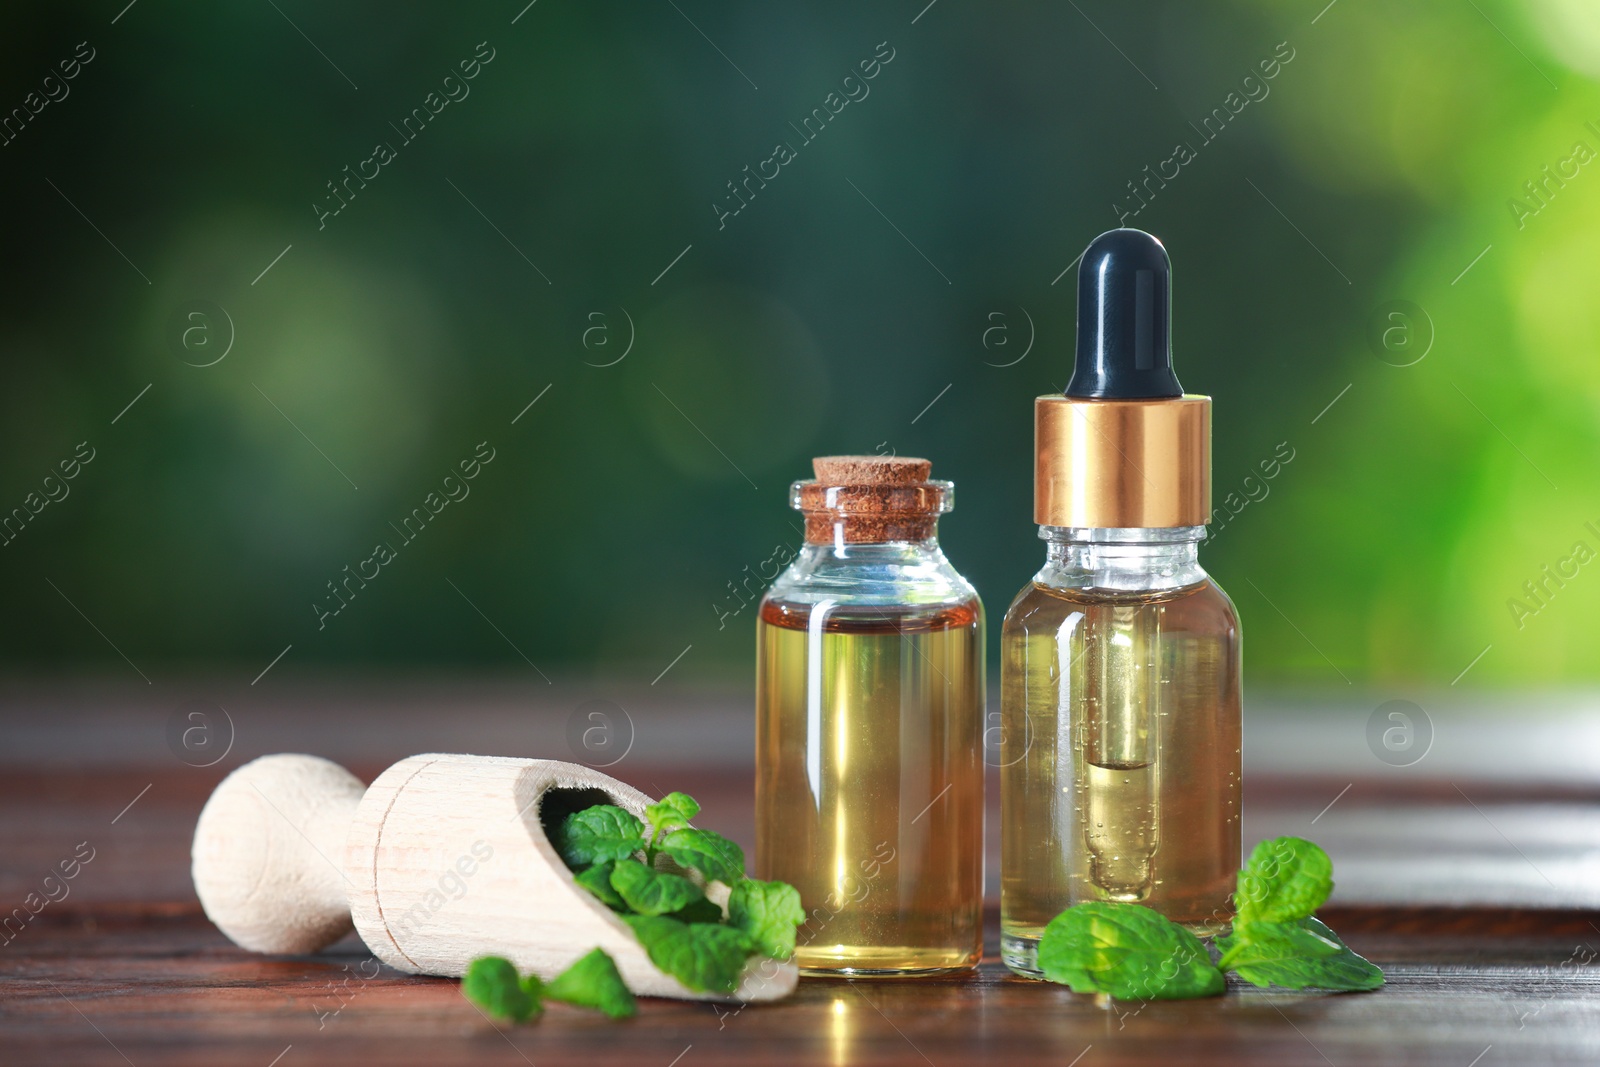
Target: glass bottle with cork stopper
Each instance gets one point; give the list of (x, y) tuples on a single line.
[(869, 720), (1120, 661)]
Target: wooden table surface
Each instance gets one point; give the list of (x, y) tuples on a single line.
[(1475, 887)]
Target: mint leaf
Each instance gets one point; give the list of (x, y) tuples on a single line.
[(674, 809), (1286, 879), (1251, 944), (1275, 940), (593, 982), (1128, 951), (705, 957), (713, 855), (597, 880), (768, 912), (1299, 955), (491, 982), (652, 892), (599, 833)]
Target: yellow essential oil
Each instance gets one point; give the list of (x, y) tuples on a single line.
[(869, 719), (1121, 743), (1120, 661)]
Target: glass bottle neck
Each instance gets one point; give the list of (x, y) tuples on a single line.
[(890, 572), (1122, 560)]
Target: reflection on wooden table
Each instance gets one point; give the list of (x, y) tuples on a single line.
[(1471, 876)]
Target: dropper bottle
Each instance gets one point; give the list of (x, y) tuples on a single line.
[(1120, 661)]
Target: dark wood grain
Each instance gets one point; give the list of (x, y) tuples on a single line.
[(1477, 895), (159, 985)]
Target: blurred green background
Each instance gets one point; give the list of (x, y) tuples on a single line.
[(1358, 230)]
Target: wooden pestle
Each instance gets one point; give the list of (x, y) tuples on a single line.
[(443, 859)]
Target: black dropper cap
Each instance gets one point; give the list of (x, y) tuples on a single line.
[(1124, 338)]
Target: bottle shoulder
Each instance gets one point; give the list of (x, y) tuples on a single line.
[(910, 574), (1201, 605)]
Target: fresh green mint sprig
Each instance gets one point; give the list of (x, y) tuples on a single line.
[(492, 983), (1275, 940), (1134, 953), (616, 857)]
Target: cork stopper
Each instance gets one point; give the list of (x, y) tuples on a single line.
[(871, 470), (871, 500)]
